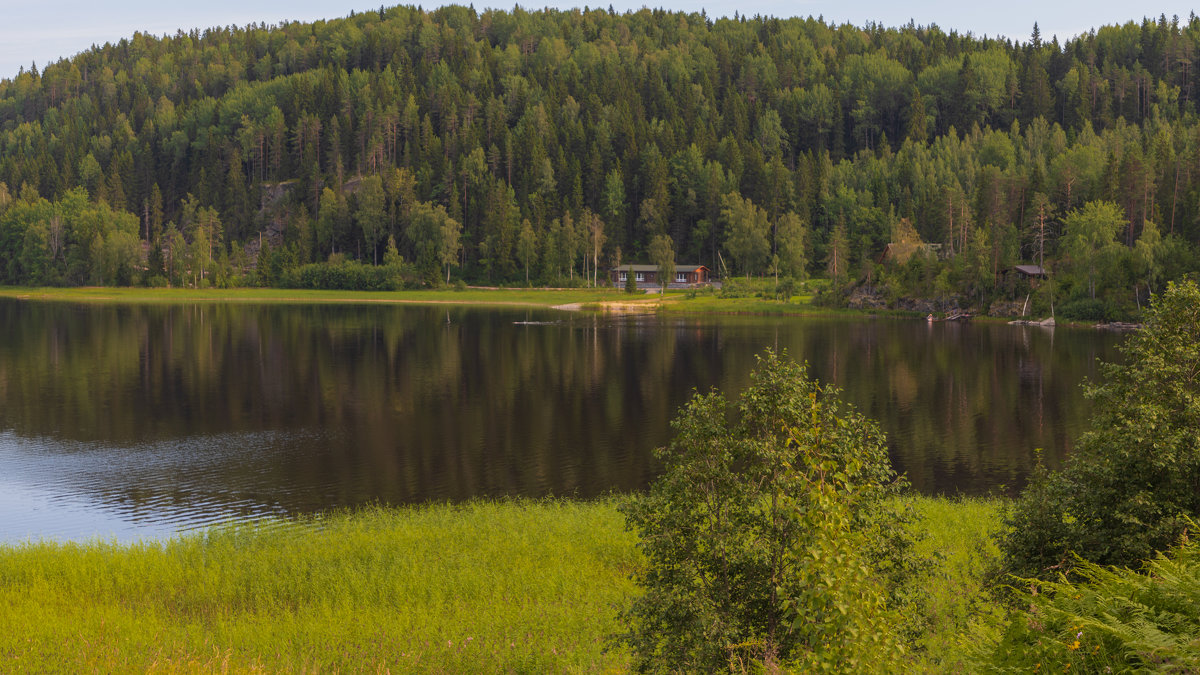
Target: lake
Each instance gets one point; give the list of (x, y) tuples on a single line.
[(131, 421)]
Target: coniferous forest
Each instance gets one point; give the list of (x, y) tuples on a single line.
[(402, 146)]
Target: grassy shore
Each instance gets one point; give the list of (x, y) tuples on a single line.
[(483, 587), (515, 297), (604, 299), (593, 299)]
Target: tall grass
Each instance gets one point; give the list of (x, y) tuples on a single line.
[(959, 610), (483, 587)]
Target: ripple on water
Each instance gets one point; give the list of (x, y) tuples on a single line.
[(56, 490)]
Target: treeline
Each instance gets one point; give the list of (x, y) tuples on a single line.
[(551, 143)]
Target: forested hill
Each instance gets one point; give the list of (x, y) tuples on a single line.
[(557, 138)]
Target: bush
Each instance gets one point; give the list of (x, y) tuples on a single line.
[(785, 289), (1133, 482), (831, 296), (735, 287), (1093, 309), (767, 539), (347, 276)]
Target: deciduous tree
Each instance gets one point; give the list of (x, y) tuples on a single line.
[(1132, 485), (765, 536), (662, 254)]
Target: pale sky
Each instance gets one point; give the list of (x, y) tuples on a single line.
[(43, 32)]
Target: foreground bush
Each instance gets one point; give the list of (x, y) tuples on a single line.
[(767, 539), (1132, 484), (1113, 621)]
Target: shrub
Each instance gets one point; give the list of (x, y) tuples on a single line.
[(735, 288), (1133, 482), (831, 296), (767, 539), (347, 276), (1084, 309)]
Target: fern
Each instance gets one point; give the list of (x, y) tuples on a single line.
[(1111, 620)]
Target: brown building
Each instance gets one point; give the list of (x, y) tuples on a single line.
[(685, 275)]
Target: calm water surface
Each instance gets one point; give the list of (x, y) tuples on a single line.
[(139, 421)]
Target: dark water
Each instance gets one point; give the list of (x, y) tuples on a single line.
[(134, 421)]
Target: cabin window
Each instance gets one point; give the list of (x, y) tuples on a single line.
[(681, 278), (641, 276), (624, 276)]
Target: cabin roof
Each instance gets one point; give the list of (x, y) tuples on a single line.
[(1030, 270), (654, 268)]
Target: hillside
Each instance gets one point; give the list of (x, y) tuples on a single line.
[(560, 140)]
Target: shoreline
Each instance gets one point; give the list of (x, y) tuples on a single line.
[(601, 300)]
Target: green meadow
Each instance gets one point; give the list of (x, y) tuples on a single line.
[(595, 299), (520, 297), (487, 586)]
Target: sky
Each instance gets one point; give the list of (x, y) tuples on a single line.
[(43, 32)]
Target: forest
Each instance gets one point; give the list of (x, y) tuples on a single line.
[(403, 147)]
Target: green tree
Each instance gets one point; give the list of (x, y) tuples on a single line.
[(662, 254), (527, 246), (435, 236), (763, 536), (371, 214), (837, 256), (1091, 240), (1130, 486), (331, 218), (593, 226), (1148, 255), (746, 230), (613, 203), (791, 239), (176, 254)]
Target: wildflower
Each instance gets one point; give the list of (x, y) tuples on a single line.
[(1073, 646)]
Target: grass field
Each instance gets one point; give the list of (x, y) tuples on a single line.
[(593, 299), (597, 299), (504, 587), (502, 296)]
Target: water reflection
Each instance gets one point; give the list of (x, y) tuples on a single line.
[(137, 420)]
